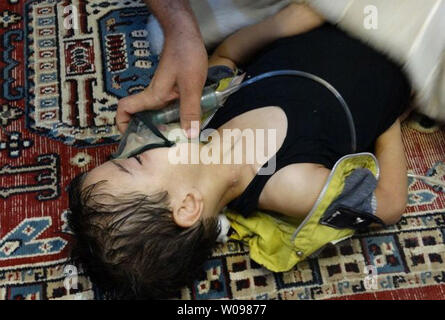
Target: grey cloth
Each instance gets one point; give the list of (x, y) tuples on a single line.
[(356, 206), (358, 191)]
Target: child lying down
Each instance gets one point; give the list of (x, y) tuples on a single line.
[(144, 226)]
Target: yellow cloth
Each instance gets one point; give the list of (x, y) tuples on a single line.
[(278, 242)]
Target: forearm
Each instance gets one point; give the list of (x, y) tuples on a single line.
[(242, 45), (392, 187), (175, 17)]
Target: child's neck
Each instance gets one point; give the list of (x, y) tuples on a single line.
[(222, 183), (222, 180), (225, 178)]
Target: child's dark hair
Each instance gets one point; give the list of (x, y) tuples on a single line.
[(129, 245)]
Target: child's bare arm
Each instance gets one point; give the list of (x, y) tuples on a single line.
[(240, 46), (307, 180), (392, 187)]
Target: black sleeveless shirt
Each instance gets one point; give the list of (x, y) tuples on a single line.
[(375, 89)]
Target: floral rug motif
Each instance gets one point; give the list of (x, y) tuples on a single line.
[(57, 106)]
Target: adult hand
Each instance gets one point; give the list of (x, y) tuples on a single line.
[(181, 73)]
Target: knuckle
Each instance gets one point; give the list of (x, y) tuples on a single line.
[(190, 113), (158, 95), (190, 117), (121, 105)]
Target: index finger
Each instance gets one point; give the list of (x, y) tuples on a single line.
[(145, 100)]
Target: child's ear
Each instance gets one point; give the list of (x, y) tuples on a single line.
[(189, 210)]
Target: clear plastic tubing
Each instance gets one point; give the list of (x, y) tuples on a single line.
[(312, 77)]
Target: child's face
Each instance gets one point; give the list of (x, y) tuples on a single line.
[(153, 172), (147, 173)]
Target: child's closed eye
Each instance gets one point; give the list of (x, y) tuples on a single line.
[(138, 159)]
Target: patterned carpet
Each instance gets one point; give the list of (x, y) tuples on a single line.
[(58, 100)]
